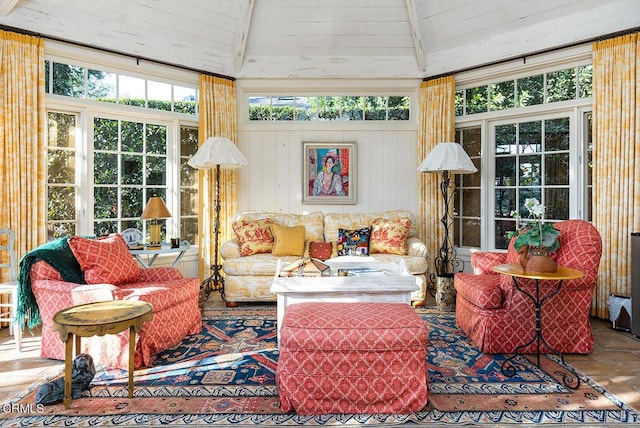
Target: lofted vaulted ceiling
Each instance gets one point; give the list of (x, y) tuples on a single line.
[(323, 38)]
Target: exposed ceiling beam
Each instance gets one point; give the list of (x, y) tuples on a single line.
[(6, 6), (421, 56), (242, 35)]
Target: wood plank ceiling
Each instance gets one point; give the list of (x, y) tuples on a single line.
[(323, 39)]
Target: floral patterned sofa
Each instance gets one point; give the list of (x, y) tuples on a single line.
[(249, 267), (112, 274)]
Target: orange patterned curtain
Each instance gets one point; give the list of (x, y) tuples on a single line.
[(217, 119), (436, 123), (22, 146), (616, 170)]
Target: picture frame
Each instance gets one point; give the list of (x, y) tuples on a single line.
[(337, 187)]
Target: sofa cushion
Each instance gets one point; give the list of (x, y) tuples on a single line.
[(483, 291), (335, 221), (390, 235), (254, 235), (313, 222), (105, 260), (287, 241), (353, 242)]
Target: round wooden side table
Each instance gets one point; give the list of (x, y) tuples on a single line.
[(98, 319)]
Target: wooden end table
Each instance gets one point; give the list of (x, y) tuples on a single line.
[(515, 270), (98, 319)]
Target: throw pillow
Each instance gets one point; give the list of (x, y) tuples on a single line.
[(353, 242), (390, 235), (287, 241), (105, 260), (254, 235), (320, 250)]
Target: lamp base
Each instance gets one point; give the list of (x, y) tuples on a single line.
[(215, 282), (154, 234)]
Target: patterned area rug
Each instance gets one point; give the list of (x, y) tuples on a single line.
[(225, 375)]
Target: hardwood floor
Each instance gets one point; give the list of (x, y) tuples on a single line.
[(614, 363)]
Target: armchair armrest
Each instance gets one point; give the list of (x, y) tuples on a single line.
[(483, 261), (230, 249), (160, 273), (415, 247), (90, 293)]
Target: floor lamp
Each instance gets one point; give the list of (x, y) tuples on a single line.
[(448, 159), (216, 153)]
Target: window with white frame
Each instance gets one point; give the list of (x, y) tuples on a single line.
[(329, 108), (532, 137), (114, 141)]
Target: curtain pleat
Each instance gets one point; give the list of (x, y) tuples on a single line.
[(22, 144), (436, 123), (217, 119), (616, 170)]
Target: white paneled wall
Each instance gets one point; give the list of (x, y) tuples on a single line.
[(386, 151), (386, 168)]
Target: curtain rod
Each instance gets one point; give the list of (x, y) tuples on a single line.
[(540, 52), (111, 51)]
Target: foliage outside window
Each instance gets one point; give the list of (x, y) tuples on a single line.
[(84, 82), (61, 174), (531, 161), (329, 108), (467, 216), (121, 159), (129, 166), (562, 85), (588, 165), (188, 185)]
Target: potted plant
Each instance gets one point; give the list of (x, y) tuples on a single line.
[(535, 240)]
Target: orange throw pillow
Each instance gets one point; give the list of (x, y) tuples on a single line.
[(105, 260), (389, 235), (255, 236)]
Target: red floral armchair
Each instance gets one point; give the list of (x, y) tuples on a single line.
[(498, 317)]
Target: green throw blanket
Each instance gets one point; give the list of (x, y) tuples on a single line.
[(59, 255)]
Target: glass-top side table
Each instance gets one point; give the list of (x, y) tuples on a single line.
[(147, 256)]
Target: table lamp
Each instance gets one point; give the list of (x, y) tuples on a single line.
[(154, 210)]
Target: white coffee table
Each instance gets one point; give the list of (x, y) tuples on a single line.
[(389, 282)]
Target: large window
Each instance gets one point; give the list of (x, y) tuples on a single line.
[(533, 141), (551, 87), (114, 141), (531, 161), (129, 166)]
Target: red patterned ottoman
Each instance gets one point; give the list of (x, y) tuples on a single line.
[(352, 358)]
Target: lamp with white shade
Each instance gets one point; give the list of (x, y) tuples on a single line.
[(216, 153), (446, 158)]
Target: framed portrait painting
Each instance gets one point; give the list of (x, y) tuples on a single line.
[(329, 173)]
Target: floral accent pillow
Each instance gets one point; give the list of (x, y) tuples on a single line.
[(105, 260), (353, 242), (254, 235), (390, 235)]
